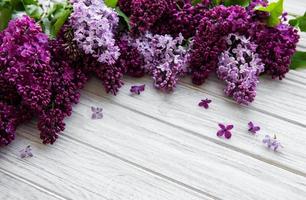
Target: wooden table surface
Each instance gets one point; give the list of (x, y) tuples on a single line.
[(164, 147)]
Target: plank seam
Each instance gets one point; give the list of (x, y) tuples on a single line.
[(218, 142), (147, 170), (34, 185)]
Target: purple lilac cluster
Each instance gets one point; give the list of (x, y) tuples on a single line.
[(25, 75), (130, 59), (67, 81), (276, 46), (90, 39), (144, 14), (161, 56), (240, 66), (210, 41), (25, 62), (35, 80), (94, 26), (183, 18), (165, 57)]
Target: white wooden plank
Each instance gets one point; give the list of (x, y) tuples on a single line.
[(75, 171), (295, 7), (284, 99), (179, 155), (14, 189), (180, 109)]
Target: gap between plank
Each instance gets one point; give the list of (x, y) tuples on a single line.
[(186, 84), (34, 185)]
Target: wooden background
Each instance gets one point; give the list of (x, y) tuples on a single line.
[(164, 147)]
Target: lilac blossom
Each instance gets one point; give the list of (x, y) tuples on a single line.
[(225, 131), (26, 152), (96, 113), (276, 46), (137, 89), (205, 103), (252, 128), (210, 39), (25, 62), (272, 143), (239, 66), (165, 57), (94, 26)]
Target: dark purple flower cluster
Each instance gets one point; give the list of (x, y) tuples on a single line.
[(25, 62), (130, 59), (144, 14), (276, 46), (109, 74), (183, 19), (67, 81), (210, 40), (35, 80)]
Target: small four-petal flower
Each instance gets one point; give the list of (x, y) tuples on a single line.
[(137, 89), (253, 129), (225, 131), (205, 103), (27, 152), (272, 143), (96, 113)]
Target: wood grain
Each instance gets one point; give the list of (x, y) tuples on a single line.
[(12, 188), (73, 170), (164, 147)]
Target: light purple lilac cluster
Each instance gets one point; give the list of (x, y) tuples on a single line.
[(240, 66), (162, 56), (94, 26)]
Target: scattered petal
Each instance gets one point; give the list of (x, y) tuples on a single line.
[(272, 143), (97, 113), (137, 89), (225, 131), (27, 152), (205, 103), (253, 129)]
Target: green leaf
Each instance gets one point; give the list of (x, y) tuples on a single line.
[(5, 17), (275, 9), (216, 2), (55, 18), (123, 15), (243, 3), (33, 9), (111, 3), (298, 60), (195, 2), (299, 22)]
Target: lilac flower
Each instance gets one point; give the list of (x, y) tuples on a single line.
[(97, 113), (137, 89), (144, 14), (240, 67), (210, 39), (225, 131), (276, 46), (165, 57), (27, 152), (94, 27), (272, 143), (205, 103), (25, 62), (252, 128)]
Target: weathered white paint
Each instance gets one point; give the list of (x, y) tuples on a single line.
[(158, 146)]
